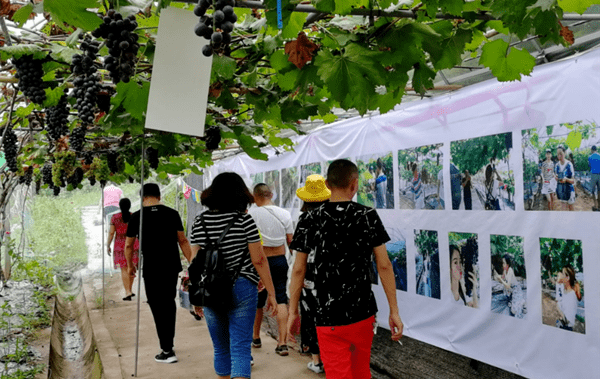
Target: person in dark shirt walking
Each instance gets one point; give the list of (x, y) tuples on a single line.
[(340, 238), (162, 233)]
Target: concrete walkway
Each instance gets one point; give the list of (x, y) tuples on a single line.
[(115, 331)]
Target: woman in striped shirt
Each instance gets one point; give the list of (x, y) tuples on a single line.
[(231, 330)]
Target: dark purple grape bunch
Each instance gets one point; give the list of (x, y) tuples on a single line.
[(76, 178), (122, 45), (212, 137), (30, 73), (10, 145), (152, 156), (77, 138), (57, 119), (47, 174), (87, 82), (111, 159), (215, 27)]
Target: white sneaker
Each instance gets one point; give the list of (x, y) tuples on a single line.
[(316, 368)]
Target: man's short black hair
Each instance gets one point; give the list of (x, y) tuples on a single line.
[(262, 190), (594, 148), (341, 172), (151, 190)]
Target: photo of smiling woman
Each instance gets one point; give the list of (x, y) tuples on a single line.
[(463, 269)]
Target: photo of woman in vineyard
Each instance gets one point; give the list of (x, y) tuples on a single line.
[(420, 175), (427, 263), (509, 285), (375, 181), (290, 180), (464, 270), (396, 250), (561, 167), (486, 166), (563, 303)]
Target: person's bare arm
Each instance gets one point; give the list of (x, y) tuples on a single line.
[(386, 273), (184, 244), (297, 281), (288, 238), (111, 235), (259, 260), (195, 249)]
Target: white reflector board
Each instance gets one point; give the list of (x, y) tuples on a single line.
[(180, 76)]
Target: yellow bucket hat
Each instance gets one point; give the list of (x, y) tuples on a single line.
[(314, 189)]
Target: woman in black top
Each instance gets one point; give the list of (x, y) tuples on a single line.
[(231, 330)]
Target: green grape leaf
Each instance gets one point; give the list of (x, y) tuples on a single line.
[(63, 53), (329, 118), (451, 50), (50, 76), (22, 15), (288, 80), (53, 96), (389, 101), (574, 140), (25, 111), (279, 60), (17, 51), (250, 147), (578, 6), (294, 25), (422, 78), (74, 12), (453, 7), (506, 67), (327, 6), (223, 67), (545, 5), (133, 98), (352, 76)]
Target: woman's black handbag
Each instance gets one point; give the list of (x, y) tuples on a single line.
[(210, 283)]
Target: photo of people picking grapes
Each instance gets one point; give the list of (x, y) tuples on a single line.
[(561, 167), (421, 178), (376, 181), (481, 176)]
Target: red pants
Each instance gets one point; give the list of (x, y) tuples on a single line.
[(346, 350)]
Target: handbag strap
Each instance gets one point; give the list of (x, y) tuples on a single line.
[(277, 217)]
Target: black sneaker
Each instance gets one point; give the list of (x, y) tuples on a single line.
[(165, 357), (282, 350), (256, 342), (251, 360)]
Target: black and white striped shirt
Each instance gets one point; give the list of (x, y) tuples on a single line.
[(234, 246)]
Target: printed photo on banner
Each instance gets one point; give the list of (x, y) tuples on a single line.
[(421, 178), (310, 169), (427, 263), (270, 178), (509, 279), (290, 179), (562, 284), (480, 172), (561, 167), (376, 181), (464, 268), (396, 250)]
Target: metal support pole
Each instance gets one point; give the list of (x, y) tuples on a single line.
[(102, 253), (141, 258)]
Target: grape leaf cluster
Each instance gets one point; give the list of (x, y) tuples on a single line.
[(122, 45), (10, 147), (30, 73), (57, 118), (216, 27)]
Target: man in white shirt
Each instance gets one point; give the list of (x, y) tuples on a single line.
[(276, 229)]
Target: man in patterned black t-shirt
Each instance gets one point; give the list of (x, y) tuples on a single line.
[(339, 239)]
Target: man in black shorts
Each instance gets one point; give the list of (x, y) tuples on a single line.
[(276, 229), (162, 233)]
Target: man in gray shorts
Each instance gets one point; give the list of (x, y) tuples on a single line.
[(594, 162)]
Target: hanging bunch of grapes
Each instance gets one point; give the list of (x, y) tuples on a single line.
[(122, 45), (212, 137), (47, 174), (215, 27), (57, 119), (10, 147), (27, 176), (152, 156), (30, 73)]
